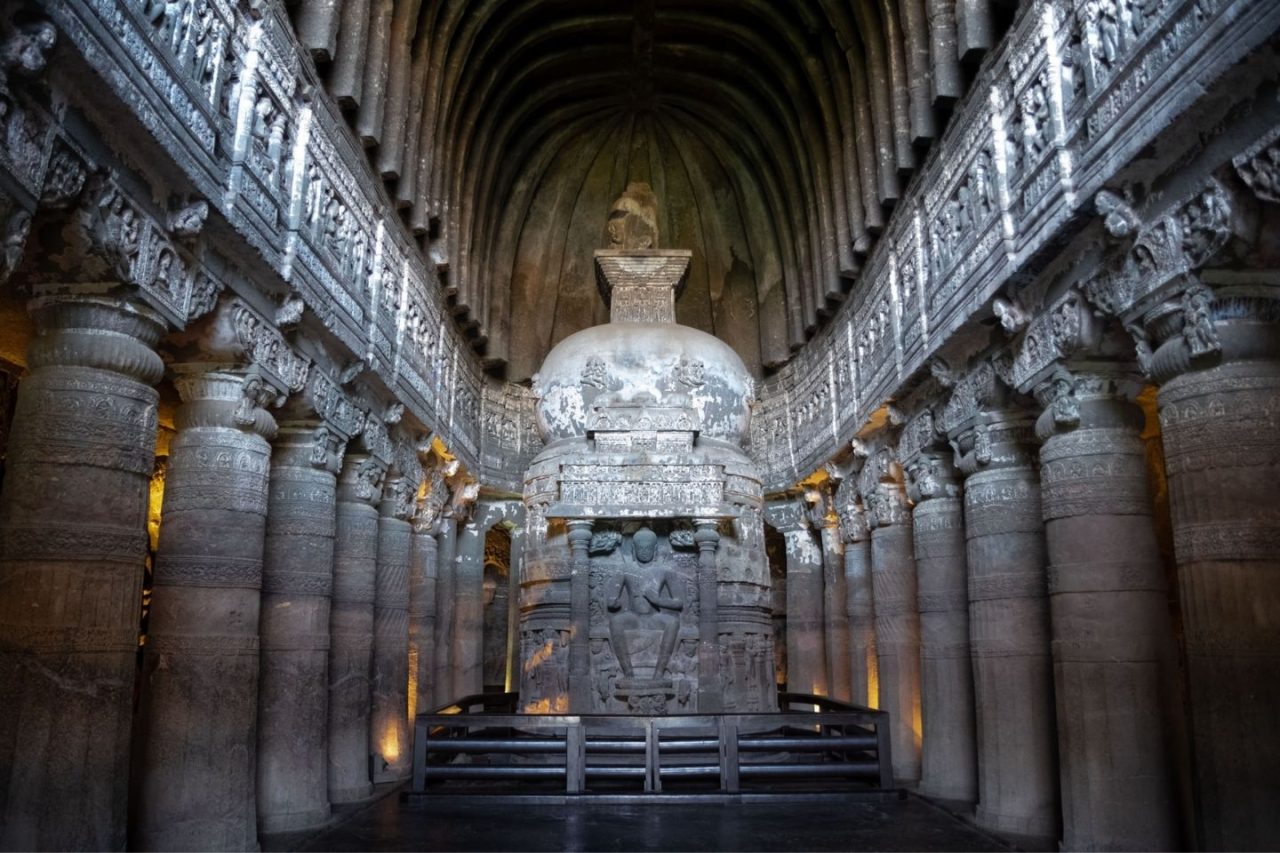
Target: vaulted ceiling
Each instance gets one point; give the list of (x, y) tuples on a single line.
[(777, 135)]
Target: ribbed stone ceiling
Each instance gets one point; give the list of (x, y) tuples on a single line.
[(777, 136)]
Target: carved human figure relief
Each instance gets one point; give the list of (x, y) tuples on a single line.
[(644, 595)]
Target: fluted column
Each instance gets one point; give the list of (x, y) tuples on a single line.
[(864, 663), (1113, 653), (355, 557), (948, 755), (468, 604), (446, 546), (198, 718), (835, 606), (806, 639), (388, 731), (297, 585), (1009, 627), (72, 546), (511, 681), (1220, 423), (422, 619), (579, 615), (893, 581)]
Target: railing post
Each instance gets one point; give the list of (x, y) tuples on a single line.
[(575, 758), (420, 730), (729, 755), (652, 768), (883, 754)]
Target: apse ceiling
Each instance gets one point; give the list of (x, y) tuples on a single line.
[(776, 134)]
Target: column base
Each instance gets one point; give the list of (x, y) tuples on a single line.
[(1038, 833), (293, 821), (949, 795), (351, 795)]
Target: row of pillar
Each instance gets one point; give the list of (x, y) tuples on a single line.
[(1013, 616), (291, 590)]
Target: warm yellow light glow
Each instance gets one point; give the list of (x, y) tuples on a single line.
[(873, 679), (155, 501), (390, 745), (412, 706)]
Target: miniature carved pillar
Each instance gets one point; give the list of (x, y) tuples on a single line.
[(579, 609), (73, 532), (511, 681), (468, 604), (893, 581), (422, 621), (835, 605), (1009, 627), (1220, 420), (707, 537), (198, 718), (446, 545), (388, 727), (949, 757), (297, 585), (355, 557), (864, 663), (806, 641), (1113, 652)]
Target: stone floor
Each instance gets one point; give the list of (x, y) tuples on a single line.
[(849, 824)]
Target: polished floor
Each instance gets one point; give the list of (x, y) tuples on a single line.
[(471, 825)]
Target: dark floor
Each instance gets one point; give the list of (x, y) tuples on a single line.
[(850, 824)]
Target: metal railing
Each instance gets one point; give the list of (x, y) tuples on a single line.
[(481, 738)]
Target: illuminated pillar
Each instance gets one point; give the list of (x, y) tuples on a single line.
[(948, 756), (835, 606), (422, 617), (355, 558), (512, 680), (806, 640), (73, 543), (297, 584), (446, 546), (864, 665), (893, 582), (1114, 658), (389, 733), (198, 718), (1009, 626), (467, 675)]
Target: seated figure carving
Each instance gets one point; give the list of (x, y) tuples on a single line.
[(645, 595)]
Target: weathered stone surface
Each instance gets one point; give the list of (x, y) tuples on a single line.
[(297, 586), (388, 726), (1009, 628), (1111, 624), (202, 643), (355, 558), (72, 530)]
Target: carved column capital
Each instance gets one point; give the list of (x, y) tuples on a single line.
[(101, 332), (361, 479), (788, 515), (398, 497), (229, 398), (931, 474), (1088, 395)]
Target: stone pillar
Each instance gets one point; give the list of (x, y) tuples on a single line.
[(511, 682), (468, 605), (422, 620), (864, 664), (836, 606), (893, 581), (1113, 653), (355, 557), (949, 757), (806, 639), (579, 610), (1220, 420), (446, 544), (199, 712), (297, 585), (73, 534), (706, 536), (1009, 627), (388, 730)]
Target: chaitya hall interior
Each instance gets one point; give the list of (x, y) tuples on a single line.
[(861, 415)]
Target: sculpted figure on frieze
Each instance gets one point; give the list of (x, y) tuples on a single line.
[(644, 595), (633, 220)]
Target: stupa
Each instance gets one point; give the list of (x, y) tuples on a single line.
[(645, 587)]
